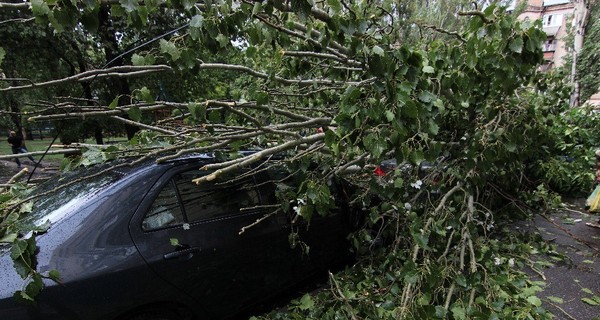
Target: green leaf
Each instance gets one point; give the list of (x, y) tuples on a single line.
[(145, 95), (197, 21), (410, 109), (174, 242), (138, 60), (459, 312), (40, 8), (262, 98), (590, 301), (129, 5), (2, 54), (426, 96), (440, 312), (434, 128), (351, 94), (378, 51), (306, 302), (170, 49), (256, 8), (417, 157), (511, 146), (461, 281), (555, 299), (222, 40), (197, 111), (389, 115), (421, 238), (188, 4), (26, 207), (135, 113), (54, 275), (90, 20), (114, 103), (8, 238), (534, 301), (588, 291), (428, 69), (35, 286), (516, 45), (335, 5)]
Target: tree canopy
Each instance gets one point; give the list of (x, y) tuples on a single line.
[(349, 83)]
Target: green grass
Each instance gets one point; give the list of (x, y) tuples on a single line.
[(32, 145), (42, 145)]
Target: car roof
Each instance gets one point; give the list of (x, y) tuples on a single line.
[(73, 189)]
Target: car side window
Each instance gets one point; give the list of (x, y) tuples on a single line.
[(226, 195), (165, 211)]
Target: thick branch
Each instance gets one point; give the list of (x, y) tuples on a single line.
[(145, 126), (37, 153), (254, 73), (123, 71), (322, 56), (228, 166)]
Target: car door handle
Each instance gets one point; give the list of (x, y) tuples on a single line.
[(187, 252)]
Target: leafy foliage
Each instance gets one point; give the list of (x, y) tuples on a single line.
[(587, 66), (350, 84)]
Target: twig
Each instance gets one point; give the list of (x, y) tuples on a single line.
[(18, 176), (259, 220), (479, 14), (342, 296), (586, 243), (560, 309)]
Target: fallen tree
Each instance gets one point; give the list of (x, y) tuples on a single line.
[(341, 84)]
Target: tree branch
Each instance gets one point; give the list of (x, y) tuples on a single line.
[(123, 71), (257, 74), (232, 165)]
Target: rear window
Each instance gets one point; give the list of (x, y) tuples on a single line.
[(59, 196)]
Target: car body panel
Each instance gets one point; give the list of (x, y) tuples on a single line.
[(110, 266)]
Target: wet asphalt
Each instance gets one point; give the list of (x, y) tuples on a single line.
[(573, 278)]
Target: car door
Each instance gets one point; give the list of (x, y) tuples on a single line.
[(321, 243), (191, 236)]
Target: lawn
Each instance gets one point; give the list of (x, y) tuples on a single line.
[(42, 145), (32, 145)]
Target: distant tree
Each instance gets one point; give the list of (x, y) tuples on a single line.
[(588, 66)]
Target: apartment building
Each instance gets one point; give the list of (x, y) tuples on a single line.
[(560, 18)]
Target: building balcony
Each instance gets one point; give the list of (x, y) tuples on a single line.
[(551, 31)]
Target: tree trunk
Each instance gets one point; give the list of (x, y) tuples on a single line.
[(120, 87), (581, 19)]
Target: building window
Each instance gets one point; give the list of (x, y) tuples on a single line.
[(552, 20), (549, 45)]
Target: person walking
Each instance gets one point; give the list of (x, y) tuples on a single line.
[(18, 146), (596, 182)]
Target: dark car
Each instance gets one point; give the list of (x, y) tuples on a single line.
[(145, 242)]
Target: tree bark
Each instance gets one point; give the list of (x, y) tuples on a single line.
[(120, 87)]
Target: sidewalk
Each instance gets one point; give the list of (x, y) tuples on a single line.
[(9, 168), (573, 284)]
